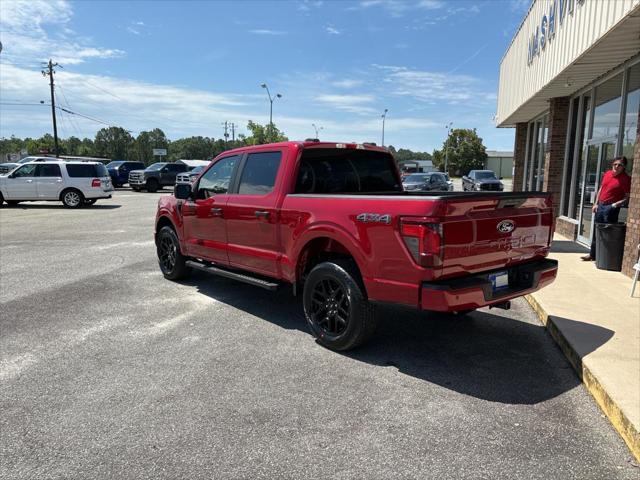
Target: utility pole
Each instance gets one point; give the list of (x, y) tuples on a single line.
[(446, 148), (233, 132), (53, 103), (384, 117), (226, 134)]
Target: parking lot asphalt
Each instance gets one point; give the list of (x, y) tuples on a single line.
[(107, 370)]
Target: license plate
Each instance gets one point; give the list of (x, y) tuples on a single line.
[(499, 281)]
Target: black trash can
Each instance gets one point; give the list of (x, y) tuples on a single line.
[(610, 245)]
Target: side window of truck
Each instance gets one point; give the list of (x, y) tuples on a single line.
[(259, 173), (217, 178)]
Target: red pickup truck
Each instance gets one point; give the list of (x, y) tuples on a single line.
[(332, 220)]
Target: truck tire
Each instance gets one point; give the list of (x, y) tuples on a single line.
[(152, 185), (72, 198), (172, 262), (335, 307)]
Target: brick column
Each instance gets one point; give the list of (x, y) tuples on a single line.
[(633, 218), (519, 153), (554, 152)]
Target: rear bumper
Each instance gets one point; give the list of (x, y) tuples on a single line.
[(476, 291)]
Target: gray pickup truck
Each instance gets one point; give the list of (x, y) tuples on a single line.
[(156, 176)]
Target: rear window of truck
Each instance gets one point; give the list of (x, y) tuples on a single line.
[(331, 170)]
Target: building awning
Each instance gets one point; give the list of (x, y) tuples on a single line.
[(619, 44)]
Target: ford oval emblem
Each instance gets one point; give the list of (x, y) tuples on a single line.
[(506, 226)]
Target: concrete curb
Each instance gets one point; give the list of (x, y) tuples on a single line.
[(616, 416)]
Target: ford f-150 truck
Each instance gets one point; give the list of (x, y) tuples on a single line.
[(333, 221), (156, 176)]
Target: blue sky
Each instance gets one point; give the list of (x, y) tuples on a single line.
[(187, 67)]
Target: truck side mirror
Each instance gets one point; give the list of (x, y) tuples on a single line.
[(182, 191)]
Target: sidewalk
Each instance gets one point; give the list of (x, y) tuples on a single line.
[(597, 324)]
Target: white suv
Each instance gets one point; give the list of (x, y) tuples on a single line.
[(73, 183)]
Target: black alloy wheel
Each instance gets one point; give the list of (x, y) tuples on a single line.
[(172, 262), (335, 307)]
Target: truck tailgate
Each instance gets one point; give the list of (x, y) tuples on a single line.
[(481, 234)]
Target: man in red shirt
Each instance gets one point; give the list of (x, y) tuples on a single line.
[(613, 193)]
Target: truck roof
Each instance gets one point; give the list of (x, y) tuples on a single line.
[(310, 144)]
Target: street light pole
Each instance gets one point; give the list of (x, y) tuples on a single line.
[(384, 116), (446, 148), (271, 99), (317, 129)]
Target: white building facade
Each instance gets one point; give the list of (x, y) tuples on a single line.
[(570, 85)]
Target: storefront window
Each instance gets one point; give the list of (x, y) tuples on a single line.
[(581, 155), (631, 115), (606, 118), (534, 168), (566, 189)]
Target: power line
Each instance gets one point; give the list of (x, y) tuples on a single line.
[(72, 120)]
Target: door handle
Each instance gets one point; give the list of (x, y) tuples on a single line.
[(262, 214), (216, 212), (29, 181)]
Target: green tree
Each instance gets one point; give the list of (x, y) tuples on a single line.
[(462, 151), (10, 145), (146, 142), (44, 143), (261, 134), (115, 143), (198, 148)]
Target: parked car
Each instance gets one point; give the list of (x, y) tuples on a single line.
[(449, 182), (156, 176), (481, 180), (426, 182), (332, 221), (190, 176), (8, 166), (119, 171), (73, 183)]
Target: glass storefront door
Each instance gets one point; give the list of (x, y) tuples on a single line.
[(598, 161)]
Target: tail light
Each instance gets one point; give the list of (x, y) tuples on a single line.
[(95, 182), (423, 239)]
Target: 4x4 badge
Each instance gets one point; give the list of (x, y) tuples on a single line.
[(506, 226)]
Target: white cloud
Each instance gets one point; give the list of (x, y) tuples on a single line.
[(520, 6), (348, 103), (431, 87), (307, 5), (347, 83), (331, 30), (23, 36), (264, 31), (398, 8)]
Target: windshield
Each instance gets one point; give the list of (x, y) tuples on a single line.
[(156, 166), (485, 176), (115, 164), (439, 176), (416, 178), (196, 170)]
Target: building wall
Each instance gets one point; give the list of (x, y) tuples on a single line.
[(556, 143), (519, 153), (632, 239), (503, 166)]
